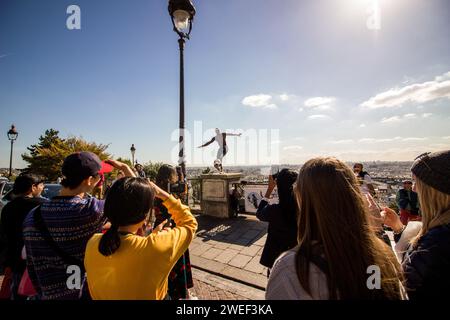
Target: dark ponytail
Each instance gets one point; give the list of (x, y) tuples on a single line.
[(128, 203), (110, 241)]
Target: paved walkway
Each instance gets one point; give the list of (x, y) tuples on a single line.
[(231, 248), (211, 287)]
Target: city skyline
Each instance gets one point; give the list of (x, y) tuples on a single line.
[(331, 77)]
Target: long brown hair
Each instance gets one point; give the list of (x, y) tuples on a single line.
[(332, 214)]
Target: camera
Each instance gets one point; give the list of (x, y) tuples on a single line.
[(177, 188)]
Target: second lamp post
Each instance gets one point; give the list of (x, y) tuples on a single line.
[(12, 136), (133, 152)]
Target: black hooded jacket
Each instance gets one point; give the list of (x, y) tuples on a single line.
[(427, 266)]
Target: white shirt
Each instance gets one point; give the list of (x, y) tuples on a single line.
[(285, 285)]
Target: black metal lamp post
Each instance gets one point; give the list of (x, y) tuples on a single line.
[(133, 152), (182, 13), (12, 136)]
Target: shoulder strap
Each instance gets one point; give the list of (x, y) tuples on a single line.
[(40, 225)]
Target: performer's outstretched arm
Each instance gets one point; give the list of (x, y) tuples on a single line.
[(208, 143), (234, 134)]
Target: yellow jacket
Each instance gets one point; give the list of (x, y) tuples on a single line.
[(139, 269)]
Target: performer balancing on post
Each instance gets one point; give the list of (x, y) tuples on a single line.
[(221, 139)]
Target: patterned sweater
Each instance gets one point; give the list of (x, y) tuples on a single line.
[(71, 221)]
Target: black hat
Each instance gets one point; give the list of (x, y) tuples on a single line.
[(434, 170), (81, 164)]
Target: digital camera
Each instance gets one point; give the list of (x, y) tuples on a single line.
[(177, 188)]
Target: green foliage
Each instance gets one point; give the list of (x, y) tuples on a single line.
[(126, 161), (47, 156), (113, 175), (151, 169)]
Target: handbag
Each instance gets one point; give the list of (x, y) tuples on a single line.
[(26, 286)]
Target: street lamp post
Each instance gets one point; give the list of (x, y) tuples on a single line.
[(182, 13), (12, 136), (133, 152)]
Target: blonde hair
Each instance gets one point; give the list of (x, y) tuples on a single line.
[(435, 207)]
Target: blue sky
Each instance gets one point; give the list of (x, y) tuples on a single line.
[(314, 70)]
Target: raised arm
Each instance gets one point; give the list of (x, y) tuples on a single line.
[(234, 134), (208, 143), (128, 172), (175, 241), (265, 209)]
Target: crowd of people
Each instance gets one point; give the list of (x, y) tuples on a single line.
[(324, 236), (112, 243), (326, 247)]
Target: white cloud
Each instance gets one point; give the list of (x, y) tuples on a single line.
[(318, 117), (445, 76), (259, 101), (320, 103), (446, 138), (293, 148), (396, 139), (362, 125), (416, 93), (414, 139), (391, 119), (284, 97), (405, 117), (374, 140), (344, 141), (410, 116)]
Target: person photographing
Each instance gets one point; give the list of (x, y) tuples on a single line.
[(122, 265)]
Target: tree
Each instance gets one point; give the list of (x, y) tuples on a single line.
[(151, 169), (47, 156), (126, 161), (50, 137)]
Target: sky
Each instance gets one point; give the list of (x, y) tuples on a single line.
[(362, 80)]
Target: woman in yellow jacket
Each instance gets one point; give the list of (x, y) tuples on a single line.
[(122, 265)]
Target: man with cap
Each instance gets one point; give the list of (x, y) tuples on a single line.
[(424, 246), (408, 203), (364, 179), (56, 233)]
